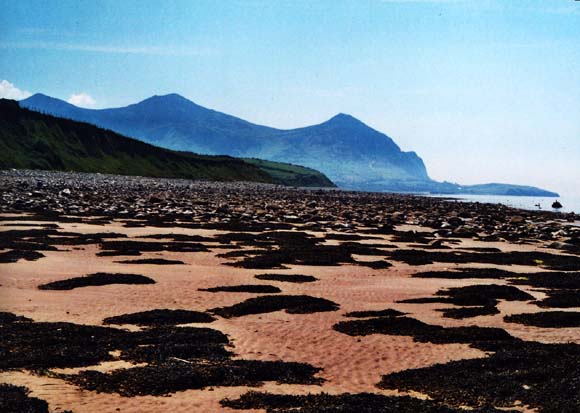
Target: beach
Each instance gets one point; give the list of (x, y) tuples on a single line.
[(394, 288)]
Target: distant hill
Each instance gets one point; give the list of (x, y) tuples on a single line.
[(34, 140), (349, 152)]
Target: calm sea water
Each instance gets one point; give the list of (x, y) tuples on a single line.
[(569, 204)]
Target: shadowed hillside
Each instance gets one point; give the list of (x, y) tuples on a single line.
[(37, 141)]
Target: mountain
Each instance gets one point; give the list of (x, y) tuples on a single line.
[(34, 140), (344, 147), (350, 153)]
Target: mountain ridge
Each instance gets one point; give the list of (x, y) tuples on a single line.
[(32, 140), (349, 152)]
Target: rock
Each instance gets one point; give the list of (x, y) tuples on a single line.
[(517, 219)]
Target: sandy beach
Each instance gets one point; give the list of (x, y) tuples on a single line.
[(352, 358)]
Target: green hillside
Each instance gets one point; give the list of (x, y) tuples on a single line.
[(294, 175), (31, 140)]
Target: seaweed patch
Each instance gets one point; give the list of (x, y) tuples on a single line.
[(561, 299), (551, 261), (293, 304), (422, 332), (251, 288), (469, 312), (127, 247), (152, 261), (177, 358), (291, 278), (547, 319), (542, 376), (177, 375), (97, 279), (161, 317), (16, 255), (347, 403), (8, 318), (389, 312), (475, 295), (17, 399), (462, 273)]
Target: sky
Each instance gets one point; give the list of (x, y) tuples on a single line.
[(483, 91)]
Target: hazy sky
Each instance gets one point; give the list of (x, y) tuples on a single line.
[(484, 91)]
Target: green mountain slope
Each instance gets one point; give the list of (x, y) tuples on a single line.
[(294, 175), (36, 141)]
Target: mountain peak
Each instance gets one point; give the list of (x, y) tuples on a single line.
[(344, 120), (168, 103), (343, 117), (48, 104), (41, 97), (171, 98)]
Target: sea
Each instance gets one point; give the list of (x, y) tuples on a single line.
[(569, 203)]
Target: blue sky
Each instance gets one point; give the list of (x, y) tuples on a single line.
[(484, 91)]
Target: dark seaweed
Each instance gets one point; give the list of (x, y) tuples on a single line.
[(293, 304), (45, 239), (8, 318), (166, 343), (239, 226), (240, 253), (549, 319), (421, 332), (475, 295), (152, 261), (291, 278), (181, 237), (43, 345), (177, 375), (469, 312), (413, 236), (295, 247), (349, 237), (462, 273), (160, 317), (557, 280), (480, 249), (257, 288), (15, 255), (124, 247), (559, 262), (324, 255), (542, 376), (342, 403), (561, 299), (16, 399), (389, 312), (97, 279), (375, 265), (21, 224), (178, 358)]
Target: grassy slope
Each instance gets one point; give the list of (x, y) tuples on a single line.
[(295, 175), (36, 141)]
